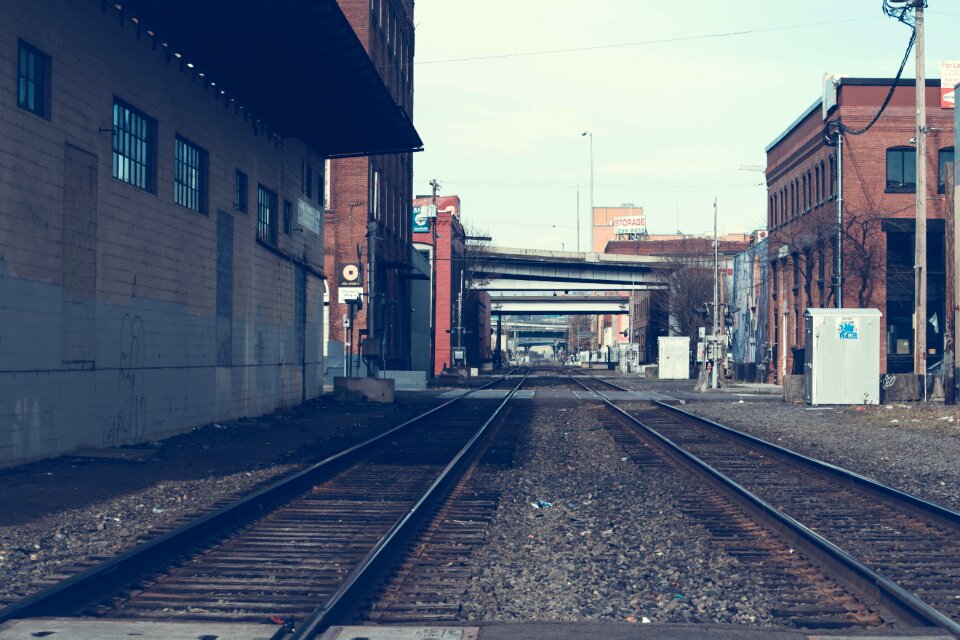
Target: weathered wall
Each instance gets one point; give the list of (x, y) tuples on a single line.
[(123, 316)]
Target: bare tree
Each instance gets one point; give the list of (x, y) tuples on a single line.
[(476, 245), (680, 309)]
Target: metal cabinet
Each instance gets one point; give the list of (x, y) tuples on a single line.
[(842, 359)]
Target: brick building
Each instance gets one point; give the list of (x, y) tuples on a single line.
[(368, 204), (160, 249), (442, 240), (655, 313), (879, 184)]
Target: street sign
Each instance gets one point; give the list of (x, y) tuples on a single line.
[(349, 295)]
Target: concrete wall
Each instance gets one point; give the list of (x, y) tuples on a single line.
[(123, 316)]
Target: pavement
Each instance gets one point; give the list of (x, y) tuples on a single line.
[(95, 629)]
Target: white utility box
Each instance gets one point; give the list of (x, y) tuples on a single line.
[(842, 356), (673, 357)]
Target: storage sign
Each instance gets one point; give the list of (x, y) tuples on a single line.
[(629, 225), (949, 78), (847, 328)]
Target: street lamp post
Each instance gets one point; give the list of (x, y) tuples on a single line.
[(590, 133)]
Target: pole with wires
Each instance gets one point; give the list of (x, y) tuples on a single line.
[(920, 263)]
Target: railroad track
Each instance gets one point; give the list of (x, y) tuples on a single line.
[(896, 556), (301, 552)]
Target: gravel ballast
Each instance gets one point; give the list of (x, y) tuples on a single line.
[(909, 447), (611, 545)]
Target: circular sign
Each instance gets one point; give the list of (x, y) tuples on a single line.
[(350, 273)]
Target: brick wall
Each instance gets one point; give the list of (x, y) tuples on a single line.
[(147, 342), (389, 42), (800, 214)]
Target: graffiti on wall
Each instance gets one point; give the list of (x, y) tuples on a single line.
[(130, 421), (750, 304)]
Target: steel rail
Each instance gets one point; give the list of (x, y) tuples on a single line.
[(112, 575), (916, 504), (366, 574), (888, 593)]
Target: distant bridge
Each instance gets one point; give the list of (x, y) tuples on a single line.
[(549, 305)]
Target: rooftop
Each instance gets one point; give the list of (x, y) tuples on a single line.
[(296, 66)]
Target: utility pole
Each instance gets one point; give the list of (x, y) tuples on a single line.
[(716, 300), (434, 189), (592, 204), (920, 253), (578, 218), (950, 330), (838, 276)]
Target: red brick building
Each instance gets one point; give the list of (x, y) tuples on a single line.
[(879, 185), (442, 240), (367, 200)]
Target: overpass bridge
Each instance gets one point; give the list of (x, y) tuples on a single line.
[(534, 269), (540, 282)]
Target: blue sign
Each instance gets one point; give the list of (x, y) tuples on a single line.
[(421, 221)]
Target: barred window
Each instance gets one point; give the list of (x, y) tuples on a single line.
[(266, 214), (240, 192), (134, 147), (287, 217), (945, 156), (190, 169), (33, 75)]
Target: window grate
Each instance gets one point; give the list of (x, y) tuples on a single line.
[(133, 146), (266, 214), (189, 175)]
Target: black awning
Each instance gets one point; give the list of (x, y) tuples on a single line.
[(297, 65)]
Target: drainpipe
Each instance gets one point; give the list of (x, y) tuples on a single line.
[(838, 277)]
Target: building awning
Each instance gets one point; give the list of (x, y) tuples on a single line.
[(295, 65)]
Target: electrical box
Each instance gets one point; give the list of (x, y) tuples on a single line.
[(842, 356), (673, 357)]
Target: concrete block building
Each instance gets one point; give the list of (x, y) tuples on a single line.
[(877, 226), (161, 225)]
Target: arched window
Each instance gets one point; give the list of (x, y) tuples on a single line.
[(793, 200), (809, 190), (945, 156), (816, 175), (901, 170), (805, 201)]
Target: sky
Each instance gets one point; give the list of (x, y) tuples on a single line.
[(675, 112)]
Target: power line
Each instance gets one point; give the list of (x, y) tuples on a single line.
[(640, 43)]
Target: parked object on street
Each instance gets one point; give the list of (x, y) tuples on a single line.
[(843, 356)]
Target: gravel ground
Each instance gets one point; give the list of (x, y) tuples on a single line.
[(59, 513), (611, 547), (914, 448), (46, 549)]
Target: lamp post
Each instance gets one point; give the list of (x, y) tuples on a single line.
[(590, 133)]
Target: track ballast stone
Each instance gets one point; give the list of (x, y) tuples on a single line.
[(612, 545)]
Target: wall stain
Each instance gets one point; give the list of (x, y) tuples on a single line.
[(130, 423)]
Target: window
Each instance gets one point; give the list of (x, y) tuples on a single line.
[(833, 178), (190, 175), (134, 147), (945, 156), (327, 179), (266, 214), (240, 192), (806, 202), (817, 197), (902, 170), (309, 180), (287, 217), (33, 77), (823, 182), (375, 208)]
